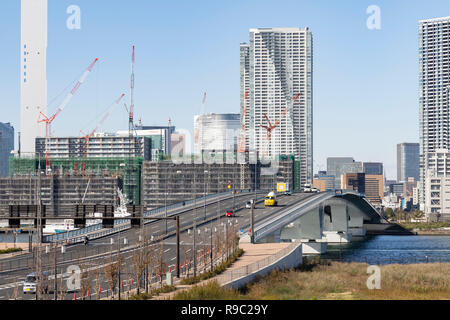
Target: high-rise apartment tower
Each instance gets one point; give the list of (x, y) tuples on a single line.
[(276, 66)]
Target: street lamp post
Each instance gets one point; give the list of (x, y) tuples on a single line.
[(194, 227), (204, 193)]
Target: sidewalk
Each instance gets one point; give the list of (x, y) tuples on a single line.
[(252, 253)]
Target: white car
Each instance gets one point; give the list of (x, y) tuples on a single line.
[(29, 285), (248, 205)]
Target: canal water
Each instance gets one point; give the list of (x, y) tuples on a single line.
[(383, 249)]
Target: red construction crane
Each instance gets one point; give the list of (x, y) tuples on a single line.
[(91, 134), (271, 127), (241, 142), (48, 120)]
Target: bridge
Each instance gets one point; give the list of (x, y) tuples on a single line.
[(314, 219), (330, 217)]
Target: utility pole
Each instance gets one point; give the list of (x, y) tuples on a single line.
[(194, 227), (56, 274), (178, 245), (165, 200), (119, 263), (204, 193), (39, 231), (252, 221), (211, 246)]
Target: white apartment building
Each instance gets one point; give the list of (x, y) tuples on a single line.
[(437, 185), (434, 84), (216, 132), (276, 65), (101, 145)]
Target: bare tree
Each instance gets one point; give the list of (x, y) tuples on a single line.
[(161, 268), (140, 261), (111, 271)]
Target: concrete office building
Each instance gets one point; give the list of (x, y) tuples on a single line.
[(408, 160), (373, 168), (323, 182), (337, 166), (353, 181), (276, 65), (437, 185), (6, 146), (374, 185), (33, 72), (371, 185), (397, 189), (216, 132), (160, 136), (434, 82)]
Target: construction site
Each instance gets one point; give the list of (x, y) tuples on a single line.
[(58, 193)]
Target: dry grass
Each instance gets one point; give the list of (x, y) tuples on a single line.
[(340, 281), (348, 281)]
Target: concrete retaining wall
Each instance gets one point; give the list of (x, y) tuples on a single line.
[(292, 259)]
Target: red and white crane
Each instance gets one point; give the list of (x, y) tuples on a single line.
[(91, 134), (271, 127), (48, 120)]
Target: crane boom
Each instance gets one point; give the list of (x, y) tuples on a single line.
[(88, 136), (48, 120)]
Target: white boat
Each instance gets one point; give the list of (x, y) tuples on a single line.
[(91, 219)]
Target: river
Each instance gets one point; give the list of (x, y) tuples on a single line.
[(385, 249)]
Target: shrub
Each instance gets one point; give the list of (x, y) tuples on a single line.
[(10, 250)]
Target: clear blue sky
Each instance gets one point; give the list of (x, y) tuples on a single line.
[(365, 81)]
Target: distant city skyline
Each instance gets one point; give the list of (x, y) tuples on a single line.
[(365, 80)]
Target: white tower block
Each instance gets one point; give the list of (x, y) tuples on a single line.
[(33, 71)]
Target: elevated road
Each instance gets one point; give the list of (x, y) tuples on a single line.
[(96, 251)]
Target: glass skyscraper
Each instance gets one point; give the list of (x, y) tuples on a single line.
[(407, 161)]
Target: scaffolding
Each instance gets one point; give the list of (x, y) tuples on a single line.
[(100, 167), (168, 183), (59, 193)]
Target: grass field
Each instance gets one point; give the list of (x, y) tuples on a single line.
[(424, 225), (339, 281)]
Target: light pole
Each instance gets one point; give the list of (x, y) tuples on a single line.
[(194, 227), (204, 193)]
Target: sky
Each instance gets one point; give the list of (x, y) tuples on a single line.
[(365, 80)]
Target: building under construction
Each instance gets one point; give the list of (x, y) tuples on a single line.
[(128, 169), (59, 193), (166, 183)]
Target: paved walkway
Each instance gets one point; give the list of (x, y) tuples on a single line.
[(252, 253)]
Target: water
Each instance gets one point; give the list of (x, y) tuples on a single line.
[(20, 238), (393, 249)]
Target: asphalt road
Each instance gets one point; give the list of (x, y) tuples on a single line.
[(209, 221)]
